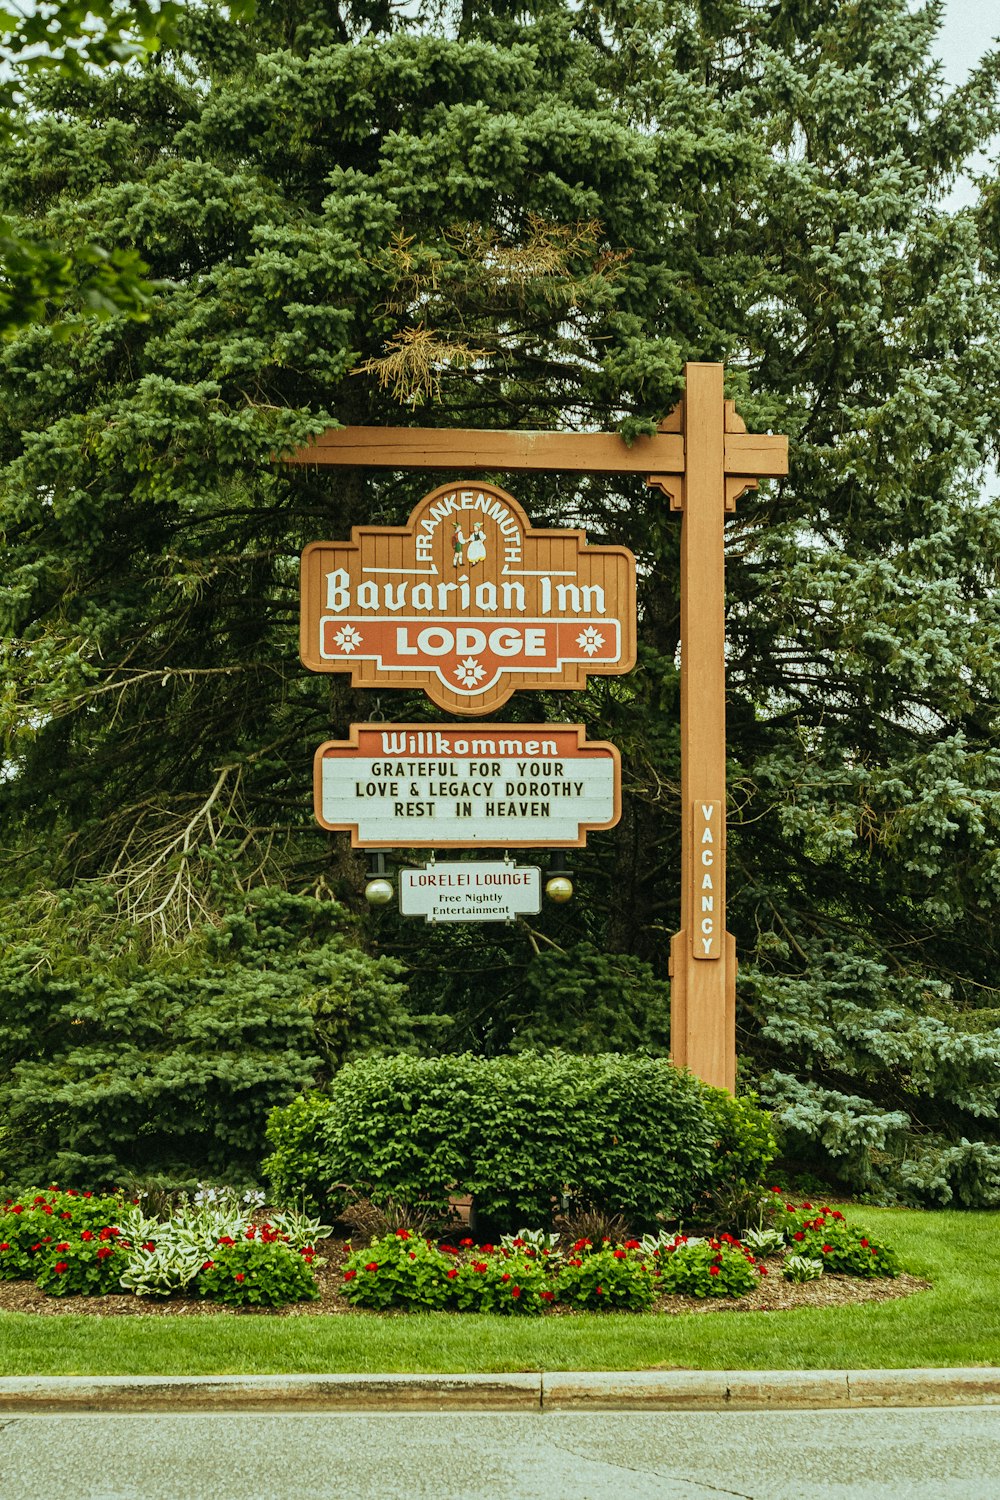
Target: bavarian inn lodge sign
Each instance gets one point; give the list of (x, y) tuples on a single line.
[(468, 602)]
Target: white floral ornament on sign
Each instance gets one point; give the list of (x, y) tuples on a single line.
[(470, 672), (590, 640), (348, 639)]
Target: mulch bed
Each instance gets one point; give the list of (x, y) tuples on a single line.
[(774, 1294)]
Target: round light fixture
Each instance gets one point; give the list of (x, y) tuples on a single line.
[(379, 892), (559, 888)]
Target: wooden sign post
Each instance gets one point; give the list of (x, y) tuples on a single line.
[(703, 458)]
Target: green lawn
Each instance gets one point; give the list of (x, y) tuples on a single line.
[(957, 1323)]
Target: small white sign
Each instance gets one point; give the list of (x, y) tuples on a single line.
[(470, 891)]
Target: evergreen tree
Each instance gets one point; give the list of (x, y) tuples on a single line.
[(531, 216)]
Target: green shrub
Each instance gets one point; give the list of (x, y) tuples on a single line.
[(120, 1063), (626, 1135), (294, 1168)]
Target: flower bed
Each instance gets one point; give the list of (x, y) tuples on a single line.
[(216, 1256)]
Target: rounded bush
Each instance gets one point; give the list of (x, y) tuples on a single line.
[(624, 1135)]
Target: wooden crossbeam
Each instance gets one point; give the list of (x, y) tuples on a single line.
[(517, 452)]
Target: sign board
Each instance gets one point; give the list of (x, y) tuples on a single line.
[(472, 891), (501, 786), (708, 877), (468, 602)]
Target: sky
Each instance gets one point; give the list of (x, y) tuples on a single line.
[(970, 28)]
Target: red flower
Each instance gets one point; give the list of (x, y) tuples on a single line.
[(108, 1233), (105, 1251), (251, 1233), (546, 1296), (631, 1244), (5, 1245), (581, 1244), (798, 1236), (835, 1214), (827, 1249), (225, 1240), (149, 1245), (518, 1243), (39, 1199), (713, 1270), (18, 1208), (60, 1266), (807, 1205), (372, 1265), (402, 1234), (865, 1243), (207, 1265), (88, 1195), (63, 1246), (350, 1275), (87, 1234), (66, 1214), (239, 1276), (620, 1255), (453, 1273), (599, 1290), (480, 1266), (412, 1254), (505, 1276), (574, 1263), (515, 1291), (448, 1250), (466, 1244), (486, 1249)]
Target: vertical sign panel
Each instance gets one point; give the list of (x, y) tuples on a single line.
[(709, 875)]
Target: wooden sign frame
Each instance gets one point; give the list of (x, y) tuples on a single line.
[(702, 458)]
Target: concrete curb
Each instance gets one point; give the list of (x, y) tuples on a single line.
[(626, 1390)]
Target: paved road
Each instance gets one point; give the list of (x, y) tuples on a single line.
[(902, 1454)]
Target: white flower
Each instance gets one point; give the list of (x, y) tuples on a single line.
[(348, 639), (469, 672), (590, 640)]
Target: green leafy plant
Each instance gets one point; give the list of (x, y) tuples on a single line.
[(605, 1277), (400, 1270), (697, 1267), (824, 1233), (35, 1220), (89, 1266), (799, 1268), (257, 1273)]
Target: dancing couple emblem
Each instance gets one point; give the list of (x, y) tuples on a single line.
[(471, 550)]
